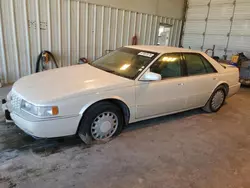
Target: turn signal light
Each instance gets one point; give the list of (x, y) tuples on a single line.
[(55, 110)]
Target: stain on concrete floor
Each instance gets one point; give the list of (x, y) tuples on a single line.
[(186, 150)]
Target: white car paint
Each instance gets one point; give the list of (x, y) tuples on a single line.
[(74, 89)]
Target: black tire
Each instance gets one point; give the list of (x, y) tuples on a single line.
[(91, 114), (209, 107)]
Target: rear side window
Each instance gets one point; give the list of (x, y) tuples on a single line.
[(208, 66), (197, 64)]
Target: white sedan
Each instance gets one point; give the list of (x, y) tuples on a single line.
[(133, 83)]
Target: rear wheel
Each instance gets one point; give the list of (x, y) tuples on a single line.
[(216, 101), (101, 122)]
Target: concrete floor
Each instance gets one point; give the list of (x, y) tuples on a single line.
[(186, 150)]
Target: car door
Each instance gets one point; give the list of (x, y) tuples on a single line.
[(165, 96), (202, 79)]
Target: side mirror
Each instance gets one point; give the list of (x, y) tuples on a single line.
[(150, 76)]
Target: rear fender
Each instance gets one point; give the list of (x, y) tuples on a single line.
[(221, 83)]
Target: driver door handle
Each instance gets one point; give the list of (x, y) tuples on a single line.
[(181, 84)]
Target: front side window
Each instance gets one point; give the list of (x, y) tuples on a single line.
[(168, 66), (125, 62), (194, 64)]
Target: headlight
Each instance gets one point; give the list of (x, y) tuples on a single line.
[(42, 111)]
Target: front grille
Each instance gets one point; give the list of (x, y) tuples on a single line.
[(15, 102)]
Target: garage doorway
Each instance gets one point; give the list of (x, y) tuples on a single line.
[(163, 35)]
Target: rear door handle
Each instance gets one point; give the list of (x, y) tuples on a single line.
[(181, 84), (215, 78)]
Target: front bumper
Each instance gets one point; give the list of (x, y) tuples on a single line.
[(42, 128), (49, 128)]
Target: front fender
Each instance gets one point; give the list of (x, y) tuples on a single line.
[(86, 106)]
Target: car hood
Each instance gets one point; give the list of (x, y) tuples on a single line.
[(48, 86)]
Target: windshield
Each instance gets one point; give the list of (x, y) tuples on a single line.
[(125, 62)]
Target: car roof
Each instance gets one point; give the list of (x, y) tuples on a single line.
[(166, 49), (161, 49)]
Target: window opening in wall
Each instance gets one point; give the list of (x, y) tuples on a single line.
[(163, 35)]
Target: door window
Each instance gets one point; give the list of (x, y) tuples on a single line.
[(208, 66), (195, 65), (168, 66)]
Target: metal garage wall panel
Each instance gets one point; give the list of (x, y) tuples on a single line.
[(240, 33), (227, 26), (120, 26), (219, 41), (241, 27), (34, 33), (193, 40), (3, 62), (83, 40), (106, 29), (197, 13), (23, 48), (195, 27), (242, 1), (239, 43), (218, 27), (222, 2), (65, 7), (56, 39), (70, 29), (74, 32), (242, 11), (44, 24), (9, 33), (198, 2), (220, 12)]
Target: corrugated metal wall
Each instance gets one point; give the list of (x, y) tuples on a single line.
[(224, 23), (70, 29)]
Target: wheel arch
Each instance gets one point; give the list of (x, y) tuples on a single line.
[(119, 102), (224, 84)]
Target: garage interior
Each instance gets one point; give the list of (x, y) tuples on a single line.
[(189, 149)]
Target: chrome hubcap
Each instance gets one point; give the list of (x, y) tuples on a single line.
[(218, 99), (104, 126)]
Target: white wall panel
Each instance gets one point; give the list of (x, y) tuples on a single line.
[(198, 2), (218, 27), (240, 32), (220, 42), (195, 27), (9, 42), (197, 13), (222, 2), (241, 27), (193, 40), (239, 43), (70, 29), (242, 11), (3, 61), (221, 12), (227, 26)]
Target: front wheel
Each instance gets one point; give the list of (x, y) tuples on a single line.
[(101, 122), (216, 101)]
